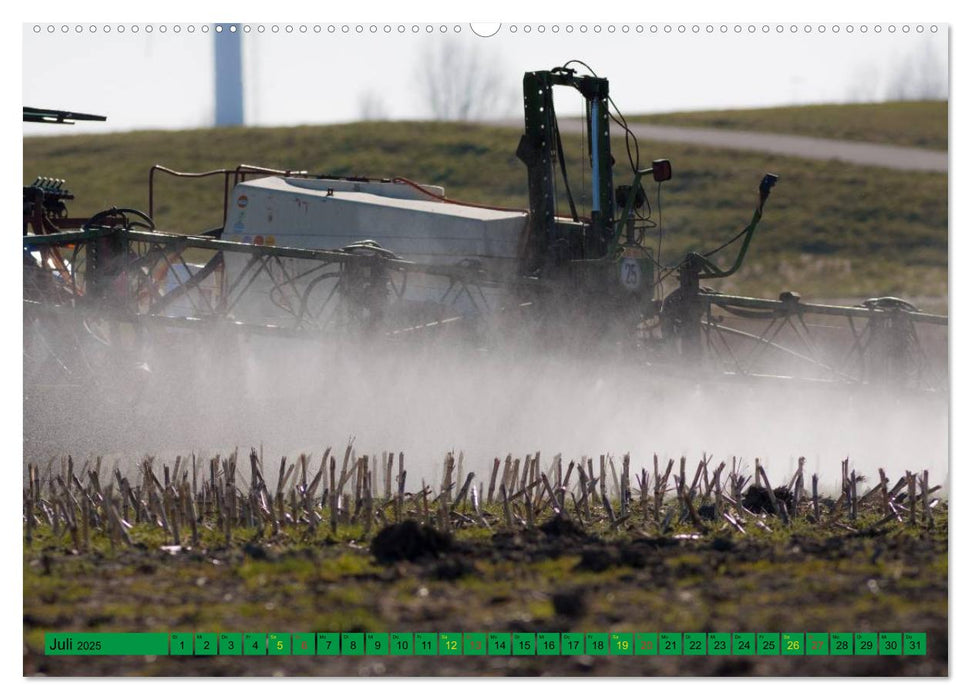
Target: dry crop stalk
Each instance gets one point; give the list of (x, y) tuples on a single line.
[(505, 506), (912, 496), (29, 512), (718, 491), (796, 487), (702, 467), (533, 481), (343, 477), (529, 509), (552, 500), (816, 498), (334, 501), (492, 481), (332, 480), (685, 497), (463, 492), (511, 473), (884, 496), (362, 466), (924, 489), (603, 477), (853, 495), (85, 525), (608, 509), (760, 472), (400, 501), (642, 490), (368, 505), (190, 507), (625, 485), (583, 493), (569, 472), (449, 467)]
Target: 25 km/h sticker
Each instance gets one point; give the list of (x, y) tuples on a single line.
[(630, 273)]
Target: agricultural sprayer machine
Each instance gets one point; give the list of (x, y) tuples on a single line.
[(393, 261)]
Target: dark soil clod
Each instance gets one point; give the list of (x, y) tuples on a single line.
[(409, 541), (569, 603), (256, 551), (633, 556), (561, 527), (756, 499), (597, 559), (452, 569)]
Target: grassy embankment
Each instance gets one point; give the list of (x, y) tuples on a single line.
[(917, 124)]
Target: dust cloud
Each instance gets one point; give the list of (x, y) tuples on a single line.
[(210, 395)]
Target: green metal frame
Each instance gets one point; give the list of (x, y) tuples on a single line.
[(539, 148)]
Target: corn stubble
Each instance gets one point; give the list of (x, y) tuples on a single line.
[(192, 500)]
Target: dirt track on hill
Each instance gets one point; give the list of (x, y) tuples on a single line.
[(857, 152)]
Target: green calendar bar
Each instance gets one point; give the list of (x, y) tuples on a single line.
[(891, 643), (793, 644), (278, 644), (352, 644), (524, 644), (571, 644), (767, 643), (206, 644), (229, 644), (598, 644), (475, 644), (865, 643), (840, 644), (817, 644), (328, 644), (450, 644), (180, 644), (548, 644), (105, 644), (402, 644), (645, 644), (670, 644), (621, 644), (426, 644), (695, 644), (500, 644), (488, 643), (743, 643), (254, 644), (915, 643), (304, 644), (719, 644), (376, 644)]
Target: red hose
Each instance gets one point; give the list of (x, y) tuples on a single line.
[(446, 200)]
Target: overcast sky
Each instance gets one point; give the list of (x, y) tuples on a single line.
[(160, 75)]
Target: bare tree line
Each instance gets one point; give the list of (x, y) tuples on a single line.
[(919, 75), (455, 81)]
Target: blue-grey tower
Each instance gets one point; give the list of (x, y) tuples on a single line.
[(229, 76)]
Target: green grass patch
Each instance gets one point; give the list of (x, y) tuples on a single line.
[(922, 124)]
